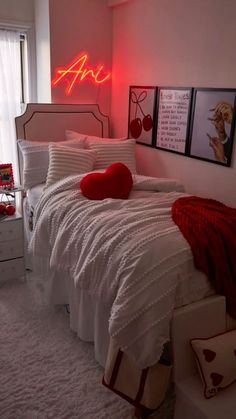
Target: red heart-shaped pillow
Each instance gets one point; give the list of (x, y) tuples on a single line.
[(116, 182)]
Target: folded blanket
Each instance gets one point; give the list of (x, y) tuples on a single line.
[(210, 228)]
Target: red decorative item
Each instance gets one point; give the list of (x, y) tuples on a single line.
[(77, 71), (2, 208), (136, 127), (10, 209), (209, 226), (116, 182), (147, 122)]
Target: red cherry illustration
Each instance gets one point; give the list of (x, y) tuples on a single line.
[(147, 122), (10, 209), (136, 127), (2, 208)]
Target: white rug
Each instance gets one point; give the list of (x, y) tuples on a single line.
[(45, 370)]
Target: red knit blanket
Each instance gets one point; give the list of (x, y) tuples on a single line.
[(210, 229)]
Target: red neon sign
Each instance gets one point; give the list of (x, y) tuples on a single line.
[(77, 69)]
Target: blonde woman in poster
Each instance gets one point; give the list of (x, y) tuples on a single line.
[(221, 144)]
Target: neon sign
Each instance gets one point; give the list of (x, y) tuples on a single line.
[(79, 71)]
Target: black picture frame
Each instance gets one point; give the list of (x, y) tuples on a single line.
[(173, 118), (141, 122), (212, 125)]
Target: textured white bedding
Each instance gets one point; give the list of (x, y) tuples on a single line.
[(29, 203), (131, 256), (34, 194)]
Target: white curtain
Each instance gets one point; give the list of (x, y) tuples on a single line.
[(10, 96)]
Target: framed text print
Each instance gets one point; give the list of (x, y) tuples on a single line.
[(173, 118), (142, 101), (212, 125)]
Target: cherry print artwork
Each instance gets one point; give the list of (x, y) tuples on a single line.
[(147, 122), (136, 124), (136, 127), (142, 102)]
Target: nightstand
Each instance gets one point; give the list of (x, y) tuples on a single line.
[(11, 248)]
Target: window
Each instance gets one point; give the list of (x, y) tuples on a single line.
[(13, 87)]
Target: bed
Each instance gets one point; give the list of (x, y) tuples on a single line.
[(91, 242)]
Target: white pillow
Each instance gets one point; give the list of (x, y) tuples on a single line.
[(65, 161), (35, 159), (111, 152), (216, 361), (72, 135)]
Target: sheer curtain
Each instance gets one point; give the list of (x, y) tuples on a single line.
[(10, 96)]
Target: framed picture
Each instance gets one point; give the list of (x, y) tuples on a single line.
[(173, 118), (142, 101), (212, 125), (6, 175)]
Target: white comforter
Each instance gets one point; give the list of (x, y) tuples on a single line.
[(129, 253)]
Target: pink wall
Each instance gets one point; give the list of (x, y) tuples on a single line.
[(75, 26), (175, 43)]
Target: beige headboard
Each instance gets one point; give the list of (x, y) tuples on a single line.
[(48, 122)]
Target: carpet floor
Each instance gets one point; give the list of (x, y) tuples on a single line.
[(46, 372)]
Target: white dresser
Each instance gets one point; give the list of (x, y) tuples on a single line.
[(11, 248)]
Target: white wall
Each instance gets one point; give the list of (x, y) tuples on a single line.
[(81, 26), (175, 43), (43, 51)]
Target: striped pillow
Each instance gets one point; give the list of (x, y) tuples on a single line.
[(112, 152), (34, 156), (66, 161)]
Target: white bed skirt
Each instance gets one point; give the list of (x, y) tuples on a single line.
[(88, 317)]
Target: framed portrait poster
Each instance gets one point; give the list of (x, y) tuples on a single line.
[(142, 102), (212, 125), (6, 175), (173, 118)]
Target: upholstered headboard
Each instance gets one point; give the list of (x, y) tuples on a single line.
[(48, 122)]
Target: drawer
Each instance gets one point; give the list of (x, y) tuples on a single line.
[(11, 249), (11, 230), (11, 269)]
